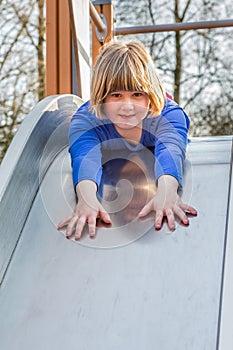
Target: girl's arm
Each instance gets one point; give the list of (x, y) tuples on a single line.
[(87, 210), (85, 151), (170, 148), (85, 155)]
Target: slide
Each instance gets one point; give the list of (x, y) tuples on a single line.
[(130, 287)]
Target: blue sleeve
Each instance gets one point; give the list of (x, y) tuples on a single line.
[(84, 148), (171, 142)]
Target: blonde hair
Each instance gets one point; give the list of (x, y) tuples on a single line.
[(125, 66)]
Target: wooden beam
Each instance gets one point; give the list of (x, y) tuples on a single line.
[(64, 49), (80, 18), (51, 48), (58, 48)]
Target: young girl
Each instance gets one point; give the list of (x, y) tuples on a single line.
[(128, 109)]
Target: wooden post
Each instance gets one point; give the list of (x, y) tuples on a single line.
[(80, 18), (58, 48), (64, 48), (51, 48), (61, 15), (106, 8)]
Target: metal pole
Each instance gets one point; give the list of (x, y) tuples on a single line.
[(97, 19), (173, 27)]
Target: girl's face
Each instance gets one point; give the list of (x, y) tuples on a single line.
[(126, 109)]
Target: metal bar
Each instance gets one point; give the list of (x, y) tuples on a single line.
[(225, 336), (76, 49), (173, 27), (102, 2), (96, 19)]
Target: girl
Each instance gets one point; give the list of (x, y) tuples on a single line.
[(128, 109)]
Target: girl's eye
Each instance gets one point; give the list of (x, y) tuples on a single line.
[(138, 94), (115, 94)]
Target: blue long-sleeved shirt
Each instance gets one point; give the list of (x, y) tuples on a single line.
[(166, 134)]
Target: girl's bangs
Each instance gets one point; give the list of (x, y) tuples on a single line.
[(124, 80)]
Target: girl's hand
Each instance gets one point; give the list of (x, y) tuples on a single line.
[(167, 203), (87, 211)]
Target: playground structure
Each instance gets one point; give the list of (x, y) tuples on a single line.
[(130, 287), (69, 56)]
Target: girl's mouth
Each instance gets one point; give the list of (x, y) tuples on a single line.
[(126, 116)]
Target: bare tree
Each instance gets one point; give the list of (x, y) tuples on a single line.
[(195, 65), (22, 63)]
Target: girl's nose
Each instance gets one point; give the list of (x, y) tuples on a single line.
[(127, 105)]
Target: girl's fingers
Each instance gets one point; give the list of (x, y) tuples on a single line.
[(181, 215), (188, 208), (79, 227), (170, 218), (64, 222), (71, 226), (92, 226), (75, 223), (145, 210), (158, 219), (105, 216)]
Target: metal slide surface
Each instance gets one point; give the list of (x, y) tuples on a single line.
[(131, 287)]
